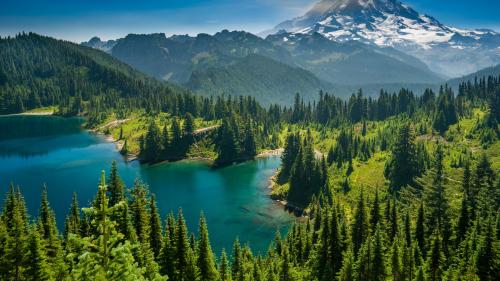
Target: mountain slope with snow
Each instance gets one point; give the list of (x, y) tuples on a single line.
[(448, 50)]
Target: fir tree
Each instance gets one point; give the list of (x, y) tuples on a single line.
[(237, 265), (140, 214), (435, 261), (375, 212), (396, 262), (116, 186), (182, 251), (419, 228), (463, 219), (437, 203), (73, 219), (152, 144), (224, 270), (487, 263), (402, 168), (49, 231), (205, 262), (378, 262), (249, 146), (360, 227), (37, 265), (155, 228)]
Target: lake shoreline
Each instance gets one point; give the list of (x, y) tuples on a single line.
[(271, 181)]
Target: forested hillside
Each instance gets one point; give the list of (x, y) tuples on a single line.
[(276, 80), (38, 71), (404, 186), (347, 65)]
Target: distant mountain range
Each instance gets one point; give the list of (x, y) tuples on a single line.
[(447, 50), (489, 71), (184, 59), (339, 45)]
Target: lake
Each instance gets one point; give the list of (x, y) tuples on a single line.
[(38, 150)]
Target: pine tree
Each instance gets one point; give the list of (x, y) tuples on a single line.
[(205, 262), (188, 124), (484, 187), (419, 228), (237, 265), (347, 271), (152, 144), (435, 261), (165, 142), (393, 222), (104, 258), (288, 157), (375, 212), (73, 219), (155, 228), (224, 270), (463, 219), (334, 244), (37, 265), (227, 146), (360, 227), (166, 258), (249, 146), (116, 186), (49, 231), (182, 253), (378, 261), (407, 228), (140, 214), (487, 263), (402, 168), (16, 242), (437, 203), (363, 267), (395, 262), (285, 269), (176, 137)]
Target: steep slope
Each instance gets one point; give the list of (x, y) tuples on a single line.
[(445, 49), (267, 80), (176, 57), (352, 62), (41, 71)]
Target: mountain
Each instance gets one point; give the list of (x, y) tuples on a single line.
[(176, 57), (486, 72), (345, 64), (95, 42), (40, 71), (390, 23), (352, 62), (268, 80)]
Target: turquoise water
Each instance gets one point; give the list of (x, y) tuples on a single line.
[(234, 199)]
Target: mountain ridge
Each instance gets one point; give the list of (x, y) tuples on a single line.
[(177, 57), (448, 50)]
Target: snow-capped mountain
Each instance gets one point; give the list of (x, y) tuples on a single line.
[(448, 50)]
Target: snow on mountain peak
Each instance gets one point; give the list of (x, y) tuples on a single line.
[(394, 24)]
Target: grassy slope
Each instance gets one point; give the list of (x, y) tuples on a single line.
[(368, 176), (137, 126)]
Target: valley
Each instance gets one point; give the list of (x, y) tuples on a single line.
[(357, 141)]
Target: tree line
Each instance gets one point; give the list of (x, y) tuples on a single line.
[(120, 236)]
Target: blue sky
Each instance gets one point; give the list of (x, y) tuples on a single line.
[(78, 20)]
